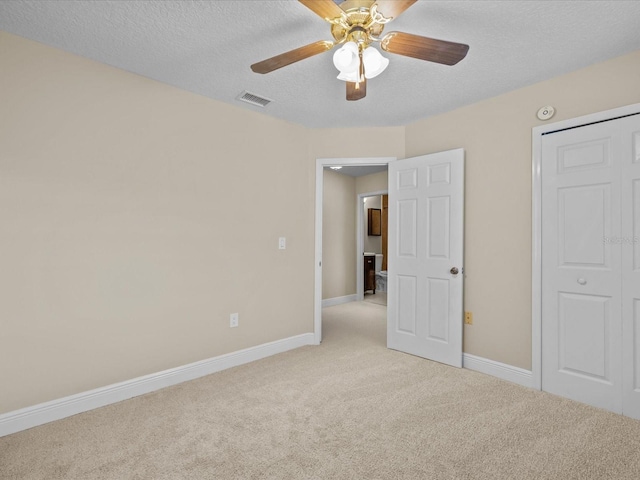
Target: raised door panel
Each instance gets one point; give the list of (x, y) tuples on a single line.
[(584, 336), (439, 174), (635, 384), (633, 241), (407, 179), (408, 228), (579, 155), (584, 222), (439, 213), (407, 305), (438, 294)]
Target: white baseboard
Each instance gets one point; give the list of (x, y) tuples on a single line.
[(29, 417), (330, 302), (501, 370)]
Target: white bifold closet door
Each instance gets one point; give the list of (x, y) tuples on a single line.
[(591, 264)]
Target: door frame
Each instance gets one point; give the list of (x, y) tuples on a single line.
[(536, 214), (360, 240), (320, 164)]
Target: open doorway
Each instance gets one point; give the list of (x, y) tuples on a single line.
[(372, 246), (321, 164), (425, 280)]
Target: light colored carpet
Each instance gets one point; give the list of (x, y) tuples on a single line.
[(348, 409), (379, 298)]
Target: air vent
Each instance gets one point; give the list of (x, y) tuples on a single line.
[(253, 99)]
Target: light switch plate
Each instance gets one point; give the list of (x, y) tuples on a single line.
[(282, 243)]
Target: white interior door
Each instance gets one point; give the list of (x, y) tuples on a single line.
[(630, 246), (590, 261), (425, 250)]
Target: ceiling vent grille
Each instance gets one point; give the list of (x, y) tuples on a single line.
[(253, 99)]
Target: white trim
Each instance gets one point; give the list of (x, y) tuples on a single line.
[(536, 259), (496, 369), (320, 164), (536, 214), (360, 240), (331, 302), (29, 417)]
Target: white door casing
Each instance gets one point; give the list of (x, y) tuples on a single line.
[(426, 221), (589, 268), (321, 163)]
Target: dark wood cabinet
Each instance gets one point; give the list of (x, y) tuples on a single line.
[(370, 273)]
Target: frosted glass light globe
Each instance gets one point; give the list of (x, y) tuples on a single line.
[(346, 59), (374, 63)]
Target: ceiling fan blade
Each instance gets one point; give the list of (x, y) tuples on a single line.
[(392, 8), (354, 93), (327, 9), (284, 59), (423, 48)]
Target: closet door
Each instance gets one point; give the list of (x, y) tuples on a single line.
[(581, 283), (591, 264), (630, 245)]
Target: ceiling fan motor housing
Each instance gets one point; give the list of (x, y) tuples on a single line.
[(359, 26)]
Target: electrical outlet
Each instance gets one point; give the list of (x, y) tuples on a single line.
[(468, 318), (233, 320)]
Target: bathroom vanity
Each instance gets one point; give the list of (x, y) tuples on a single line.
[(370, 273)]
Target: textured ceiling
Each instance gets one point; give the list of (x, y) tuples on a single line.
[(207, 47)]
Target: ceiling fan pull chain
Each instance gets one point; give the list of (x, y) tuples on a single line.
[(360, 68)]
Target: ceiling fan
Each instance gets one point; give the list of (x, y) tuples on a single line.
[(356, 25)]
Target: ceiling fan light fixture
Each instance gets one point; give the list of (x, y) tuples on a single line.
[(374, 63), (346, 58)]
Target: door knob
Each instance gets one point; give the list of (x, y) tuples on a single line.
[(454, 270)]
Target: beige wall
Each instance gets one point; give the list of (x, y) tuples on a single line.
[(376, 182), (338, 235), (496, 135), (129, 229), (357, 142)]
